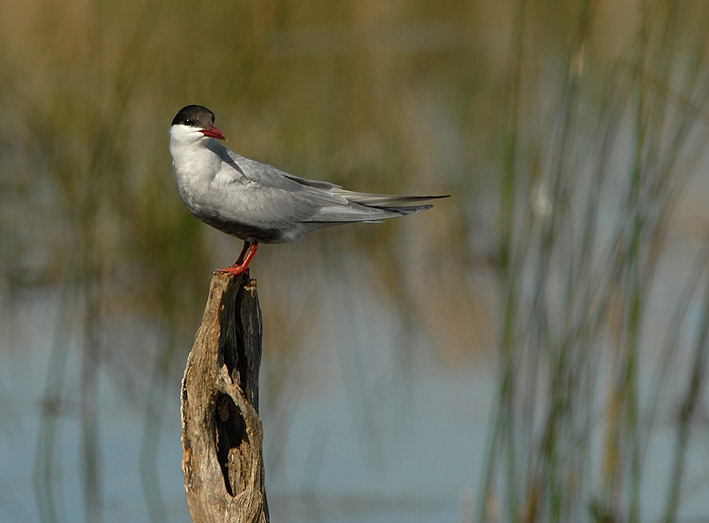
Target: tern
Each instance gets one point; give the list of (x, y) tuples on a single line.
[(257, 202)]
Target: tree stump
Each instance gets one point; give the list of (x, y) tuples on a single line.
[(222, 434)]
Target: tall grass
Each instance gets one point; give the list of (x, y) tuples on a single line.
[(583, 225)]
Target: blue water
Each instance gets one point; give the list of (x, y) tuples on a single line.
[(408, 452), (358, 428)]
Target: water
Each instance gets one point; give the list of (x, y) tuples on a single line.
[(352, 437), (338, 453)]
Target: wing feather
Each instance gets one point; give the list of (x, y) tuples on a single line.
[(312, 201)]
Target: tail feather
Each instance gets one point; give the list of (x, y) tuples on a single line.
[(389, 201), (371, 208)]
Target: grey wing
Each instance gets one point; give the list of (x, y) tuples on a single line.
[(313, 201)]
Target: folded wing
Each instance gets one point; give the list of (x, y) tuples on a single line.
[(314, 201)]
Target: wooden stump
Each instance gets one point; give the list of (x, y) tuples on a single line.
[(221, 431)]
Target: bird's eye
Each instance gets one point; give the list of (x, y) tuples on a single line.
[(188, 122)]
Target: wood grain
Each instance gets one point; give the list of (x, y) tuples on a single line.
[(221, 430)]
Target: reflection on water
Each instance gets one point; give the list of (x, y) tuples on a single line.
[(354, 436), (358, 437)]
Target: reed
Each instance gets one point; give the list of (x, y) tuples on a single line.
[(584, 219)]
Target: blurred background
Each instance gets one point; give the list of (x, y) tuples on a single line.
[(532, 349)]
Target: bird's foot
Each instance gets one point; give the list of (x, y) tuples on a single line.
[(241, 266), (234, 269)]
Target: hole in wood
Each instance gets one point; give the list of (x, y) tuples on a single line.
[(233, 447)]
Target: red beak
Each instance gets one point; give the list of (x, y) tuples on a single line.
[(213, 132)]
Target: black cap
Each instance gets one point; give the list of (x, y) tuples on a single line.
[(194, 116)]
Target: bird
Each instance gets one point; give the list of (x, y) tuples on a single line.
[(257, 202)]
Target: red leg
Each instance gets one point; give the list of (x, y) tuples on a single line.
[(240, 259), (241, 266)]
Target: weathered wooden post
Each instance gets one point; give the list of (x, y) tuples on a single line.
[(221, 430)]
